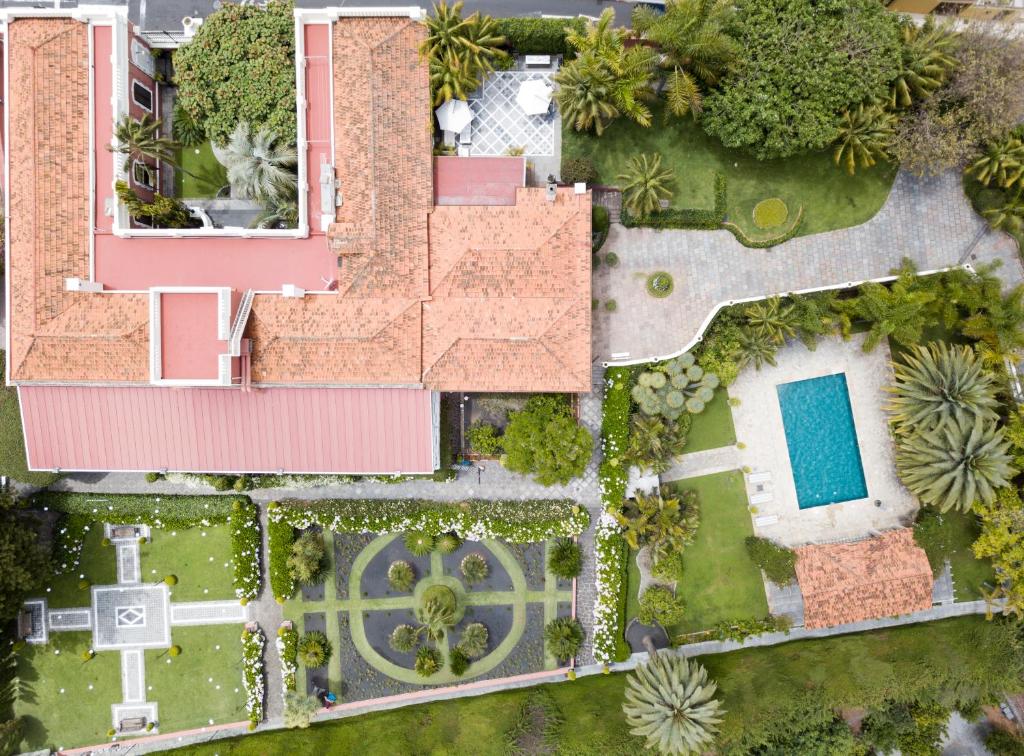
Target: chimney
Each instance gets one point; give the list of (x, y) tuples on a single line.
[(552, 188)]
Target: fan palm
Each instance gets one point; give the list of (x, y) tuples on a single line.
[(671, 704), (474, 640), (258, 166), (645, 184), (696, 51), (955, 464), (771, 318), (1010, 215), (139, 139), (927, 60), (654, 442), (865, 136), (435, 617), (1003, 162), (755, 348), (940, 385), (1000, 323)]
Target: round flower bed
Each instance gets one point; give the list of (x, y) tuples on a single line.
[(770, 213), (659, 284)]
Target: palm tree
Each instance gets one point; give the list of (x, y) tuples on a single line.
[(696, 51), (941, 385), (139, 139), (654, 442), (474, 640), (755, 348), (1000, 324), (258, 166), (404, 638), (645, 184), (585, 94), (815, 315), (671, 704), (435, 616), (1003, 161), (773, 319), (955, 464), (563, 637), (925, 64), (663, 524), (992, 598), (1010, 215), (865, 136), (459, 51), (900, 310)]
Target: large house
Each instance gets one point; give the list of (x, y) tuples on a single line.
[(318, 349)]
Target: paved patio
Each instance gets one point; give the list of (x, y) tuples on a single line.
[(500, 123), (758, 421), (928, 220)]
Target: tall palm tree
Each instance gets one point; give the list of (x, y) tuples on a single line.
[(654, 442), (671, 704), (865, 135), (1002, 162), (756, 348), (899, 310), (585, 94), (927, 59), (771, 318), (645, 183), (663, 524), (1010, 215), (955, 464), (938, 385), (1000, 324), (459, 50), (696, 50), (138, 139), (258, 166), (815, 315)]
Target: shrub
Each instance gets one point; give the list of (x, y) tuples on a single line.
[(660, 284), (474, 568), (545, 439), (473, 642), (778, 562), (401, 576), (88, 654), (611, 260), (659, 605), (280, 538), (404, 638), (185, 129), (565, 559), (770, 213), (775, 241), (575, 170), (418, 543), (306, 561), (458, 662), (288, 649), (171, 580), (600, 221), (252, 674), (611, 305), (696, 218), (564, 637), (143, 540), (538, 36), (174, 651), (246, 549), (484, 439), (449, 543), (153, 477), (162, 212), (668, 567), (1003, 743), (428, 661), (240, 66), (314, 649), (105, 542)]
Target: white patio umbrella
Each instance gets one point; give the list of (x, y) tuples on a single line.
[(534, 96), (454, 115)]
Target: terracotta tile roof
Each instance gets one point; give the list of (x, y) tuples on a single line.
[(510, 288), (849, 582), (58, 335)]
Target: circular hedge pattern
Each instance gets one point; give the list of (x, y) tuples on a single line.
[(770, 213), (660, 284)]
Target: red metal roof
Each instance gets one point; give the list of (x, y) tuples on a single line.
[(478, 180), (300, 430)]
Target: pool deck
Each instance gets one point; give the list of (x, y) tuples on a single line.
[(758, 421)]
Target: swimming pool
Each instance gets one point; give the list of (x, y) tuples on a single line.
[(822, 441)]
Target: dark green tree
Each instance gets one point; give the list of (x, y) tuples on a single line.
[(24, 564), (544, 439)]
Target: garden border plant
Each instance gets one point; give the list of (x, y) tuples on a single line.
[(253, 642), (691, 218), (287, 643), (785, 236)]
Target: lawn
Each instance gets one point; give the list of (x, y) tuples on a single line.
[(200, 175), (199, 557), (719, 582), (950, 536), (831, 199), (13, 462), (66, 701), (202, 686), (98, 565), (758, 687), (713, 427)]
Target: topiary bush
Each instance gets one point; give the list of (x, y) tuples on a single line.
[(458, 662), (566, 559), (418, 543), (563, 637), (314, 650), (770, 213), (611, 260), (484, 438), (401, 576), (578, 169), (171, 580), (611, 305), (174, 651), (474, 568), (428, 661), (448, 543), (659, 605), (777, 562), (660, 284)]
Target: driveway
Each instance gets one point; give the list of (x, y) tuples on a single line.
[(927, 220)]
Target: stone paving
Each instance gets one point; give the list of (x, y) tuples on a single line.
[(927, 220), (500, 124)]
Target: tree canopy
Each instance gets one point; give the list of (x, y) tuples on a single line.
[(802, 62), (545, 439)]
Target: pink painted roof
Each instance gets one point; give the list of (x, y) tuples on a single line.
[(478, 180), (189, 347), (301, 430)]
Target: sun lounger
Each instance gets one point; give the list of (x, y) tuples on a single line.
[(765, 520), (759, 477), (761, 498)]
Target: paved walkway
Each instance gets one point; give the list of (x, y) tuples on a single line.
[(268, 613), (707, 462), (927, 220)]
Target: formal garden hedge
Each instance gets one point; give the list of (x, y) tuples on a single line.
[(538, 36), (252, 674), (82, 510)]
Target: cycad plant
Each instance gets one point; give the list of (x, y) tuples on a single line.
[(772, 318), (259, 166), (654, 442), (459, 51), (696, 50), (955, 464), (563, 637), (938, 385), (645, 183), (139, 139), (671, 704), (865, 135), (1002, 162), (927, 59), (473, 642)]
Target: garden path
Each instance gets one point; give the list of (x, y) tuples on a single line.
[(928, 220), (268, 613), (706, 462)]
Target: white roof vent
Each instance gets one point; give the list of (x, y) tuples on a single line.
[(292, 291), (580, 187), (190, 25), (77, 284)]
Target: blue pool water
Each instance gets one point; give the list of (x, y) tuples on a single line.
[(822, 441)]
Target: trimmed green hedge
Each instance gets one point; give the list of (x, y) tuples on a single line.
[(280, 537), (688, 217), (746, 241), (538, 36), (613, 474), (252, 674), (82, 510)]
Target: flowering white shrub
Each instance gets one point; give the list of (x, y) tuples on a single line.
[(252, 673), (609, 584), (287, 643)]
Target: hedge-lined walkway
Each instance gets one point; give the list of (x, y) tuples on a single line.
[(927, 220)]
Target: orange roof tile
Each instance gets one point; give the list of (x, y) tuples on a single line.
[(877, 577), (58, 335)]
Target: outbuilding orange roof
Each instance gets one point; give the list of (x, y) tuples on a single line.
[(849, 582)]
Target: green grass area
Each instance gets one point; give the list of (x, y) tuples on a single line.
[(949, 535), (713, 427), (719, 582), (632, 587), (759, 687), (98, 565), (13, 462), (830, 197), (200, 557), (66, 701), (204, 684), (201, 175)]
